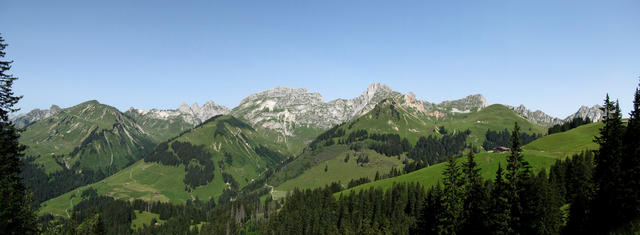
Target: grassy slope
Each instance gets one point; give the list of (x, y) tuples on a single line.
[(153, 181), (95, 135), (60, 133), (144, 218), (339, 170), (293, 145), (568, 142), (494, 117), (410, 125), (540, 154)]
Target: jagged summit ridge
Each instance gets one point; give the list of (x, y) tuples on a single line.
[(284, 109), (537, 117), (193, 114), (594, 113), (25, 119)]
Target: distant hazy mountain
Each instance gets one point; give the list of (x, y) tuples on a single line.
[(25, 119)]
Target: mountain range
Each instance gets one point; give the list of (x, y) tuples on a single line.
[(282, 108), (282, 137)]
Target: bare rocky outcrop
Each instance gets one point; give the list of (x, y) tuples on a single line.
[(25, 119), (193, 114), (594, 113), (538, 117)]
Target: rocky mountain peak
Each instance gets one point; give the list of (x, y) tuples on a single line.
[(284, 109), (54, 108), (594, 113), (537, 117), (470, 103), (375, 88), (184, 108), (25, 119), (410, 98)]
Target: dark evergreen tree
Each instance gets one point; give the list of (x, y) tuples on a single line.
[(16, 214), (631, 163), (542, 214), (452, 199), (475, 199), (579, 187), (607, 211), (499, 210), (503, 138), (517, 176)]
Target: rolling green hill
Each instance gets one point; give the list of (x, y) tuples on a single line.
[(221, 154), (495, 117), (569, 142), (93, 135), (541, 153)]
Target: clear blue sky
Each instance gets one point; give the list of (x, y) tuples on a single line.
[(548, 55)]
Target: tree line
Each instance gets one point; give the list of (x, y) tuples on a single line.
[(575, 122), (503, 138), (432, 150)]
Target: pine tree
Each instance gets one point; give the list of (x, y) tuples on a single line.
[(16, 214), (579, 192), (607, 175), (499, 210), (631, 162), (452, 198), (543, 214), (474, 202), (517, 176)]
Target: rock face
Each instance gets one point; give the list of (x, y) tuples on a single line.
[(193, 114), (465, 105), (284, 109), (537, 117), (25, 119), (594, 113)]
